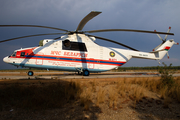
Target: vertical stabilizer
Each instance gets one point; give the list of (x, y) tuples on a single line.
[(161, 50)]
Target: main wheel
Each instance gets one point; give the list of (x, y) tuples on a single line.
[(85, 72), (30, 73)]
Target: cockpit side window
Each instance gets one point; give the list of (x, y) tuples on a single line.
[(14, 54), (22, 54)]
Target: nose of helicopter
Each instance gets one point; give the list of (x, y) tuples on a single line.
[(6, 59)]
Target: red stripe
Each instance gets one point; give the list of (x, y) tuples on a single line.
[(115, 63), (167, 47), (75, 58)]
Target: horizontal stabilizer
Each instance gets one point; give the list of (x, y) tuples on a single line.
[(156, 51)]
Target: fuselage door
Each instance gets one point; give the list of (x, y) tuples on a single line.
[(39, 59), (91, 63)]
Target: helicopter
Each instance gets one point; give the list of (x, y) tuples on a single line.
[(77, 51)]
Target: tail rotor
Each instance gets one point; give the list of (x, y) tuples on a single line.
[(163, 41), (167, 32)]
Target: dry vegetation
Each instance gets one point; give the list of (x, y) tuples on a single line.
[(91, 97)]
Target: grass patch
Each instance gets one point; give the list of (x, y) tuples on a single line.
[(39, 96), (114, 92), (100, 96)]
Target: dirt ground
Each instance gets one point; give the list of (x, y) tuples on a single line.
[(118, 107)]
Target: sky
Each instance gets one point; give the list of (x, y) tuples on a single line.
[(116, 14)]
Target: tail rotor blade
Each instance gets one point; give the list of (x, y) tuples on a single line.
[(157, 47), (160, 37), (167, 32), (167, 55)]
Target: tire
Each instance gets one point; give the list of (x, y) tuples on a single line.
[(85, 73), (30, 73)]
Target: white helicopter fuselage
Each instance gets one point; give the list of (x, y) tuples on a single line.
[(51, 55), (81, 53)]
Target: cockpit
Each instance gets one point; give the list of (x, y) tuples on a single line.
[(13, 54)]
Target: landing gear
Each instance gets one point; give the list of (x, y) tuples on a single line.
[(85, 73), (30, 73), (79, 73)]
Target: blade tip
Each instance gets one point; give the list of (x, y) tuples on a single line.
[(97, 11)]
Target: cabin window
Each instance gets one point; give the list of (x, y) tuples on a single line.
[(66, 44), (22, 54), (76, 46)]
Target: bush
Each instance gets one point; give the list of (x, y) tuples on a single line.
[(167, 75)]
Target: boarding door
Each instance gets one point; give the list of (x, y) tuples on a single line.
[(39, 59), (91, 63)]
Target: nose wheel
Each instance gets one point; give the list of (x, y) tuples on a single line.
[(30, 73)]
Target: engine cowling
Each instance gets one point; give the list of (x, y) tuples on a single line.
[(45, 41)]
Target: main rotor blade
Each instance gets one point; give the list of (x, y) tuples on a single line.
[(128, 30), (30, 36), (34, 26), (91, 15), (112, 41)]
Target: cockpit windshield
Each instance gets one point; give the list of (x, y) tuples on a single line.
[(14, 54)]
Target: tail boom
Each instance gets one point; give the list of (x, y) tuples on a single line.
[(158, 54)]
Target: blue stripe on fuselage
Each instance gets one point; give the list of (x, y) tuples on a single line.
[(76, 60)]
